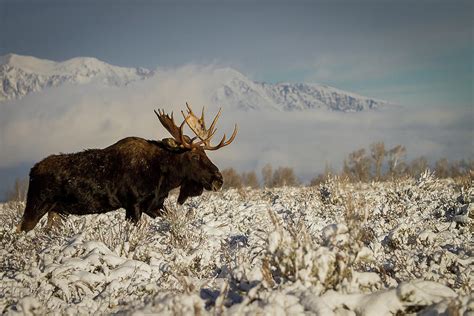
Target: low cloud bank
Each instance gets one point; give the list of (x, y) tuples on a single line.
[(73, 118)]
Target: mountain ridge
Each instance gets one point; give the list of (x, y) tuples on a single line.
[(21, 75)]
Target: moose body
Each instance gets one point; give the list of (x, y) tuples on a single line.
[(134, 174)]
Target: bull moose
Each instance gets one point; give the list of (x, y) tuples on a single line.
[(135, 174)]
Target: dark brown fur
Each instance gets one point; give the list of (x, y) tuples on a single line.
[(134, 174)]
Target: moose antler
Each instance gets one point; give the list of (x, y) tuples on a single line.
[(175, 131), (198, 126)]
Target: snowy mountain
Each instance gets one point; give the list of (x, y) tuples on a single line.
[(20, 75), (239, 91)]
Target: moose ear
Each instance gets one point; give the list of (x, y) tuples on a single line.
[(171, 145)]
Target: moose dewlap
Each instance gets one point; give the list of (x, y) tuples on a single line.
[(135, 174)]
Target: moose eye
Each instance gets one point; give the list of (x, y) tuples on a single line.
[(196, 157)]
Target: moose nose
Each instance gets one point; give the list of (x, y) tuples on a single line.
[(217, 182)]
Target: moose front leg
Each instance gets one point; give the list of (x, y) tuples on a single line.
[(133, 214), (154, 207)]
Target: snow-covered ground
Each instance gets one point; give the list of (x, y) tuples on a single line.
[(345, 249)]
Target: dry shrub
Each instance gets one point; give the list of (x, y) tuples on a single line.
[(465, 181), (331, 190), (267, 175), (377, 152), (180, 229), (442, 168), (18, 191), (357, 166), (250, 179), (231, 178), (293, 254), (356, 216), (284, 176), (123, 237), (11, 213)]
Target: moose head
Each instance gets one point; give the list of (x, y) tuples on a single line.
[(197, 169)]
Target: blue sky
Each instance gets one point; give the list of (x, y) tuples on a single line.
[(409, 52)]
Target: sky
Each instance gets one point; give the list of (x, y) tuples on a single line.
[(418, 54), (407, 52)]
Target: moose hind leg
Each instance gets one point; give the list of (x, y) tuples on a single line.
[(31, 217)]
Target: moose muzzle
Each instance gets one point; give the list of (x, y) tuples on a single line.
[(216, 184)]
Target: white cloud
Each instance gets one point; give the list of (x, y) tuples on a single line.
[(74, 118)]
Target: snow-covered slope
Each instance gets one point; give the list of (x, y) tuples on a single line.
[(20, 75), (385, 248), (238, 91)]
